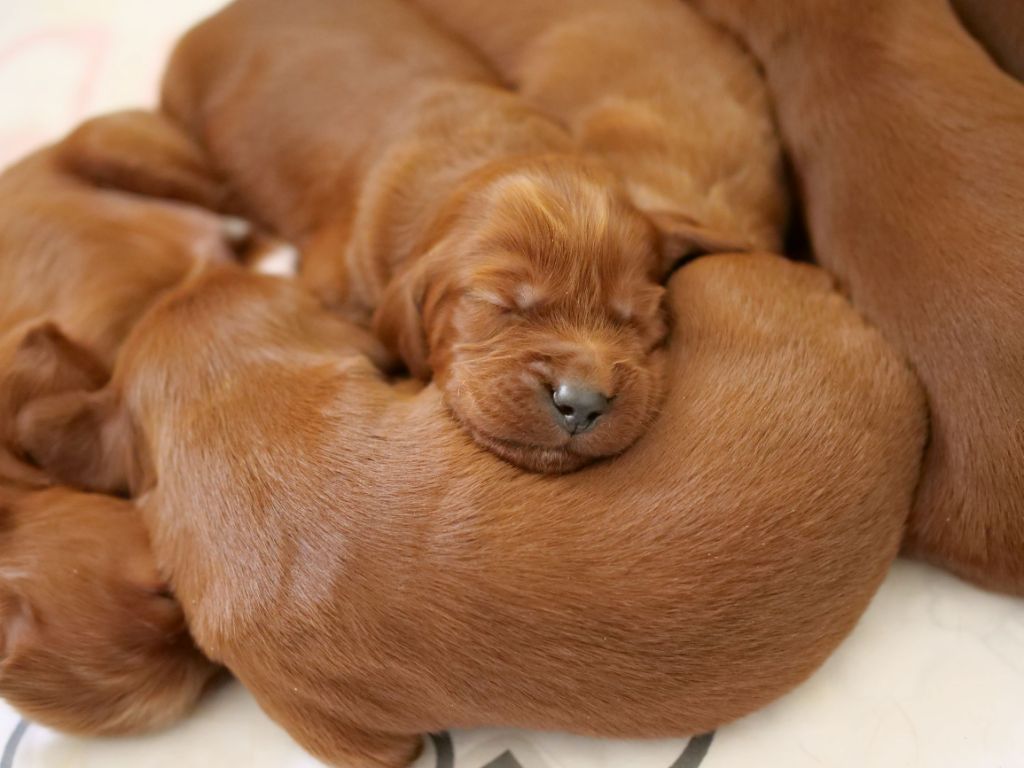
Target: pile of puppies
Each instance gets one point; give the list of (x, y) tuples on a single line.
[(202, 466)]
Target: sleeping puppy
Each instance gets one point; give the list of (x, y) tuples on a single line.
[(93, 260), (909, 143), (489, 255), (670, 102), (91, 641), (370, 574)]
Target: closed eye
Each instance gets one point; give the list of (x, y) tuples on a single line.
[(494, 299)]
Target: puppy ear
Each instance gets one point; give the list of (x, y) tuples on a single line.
[(79, 438), (44, 363), (62, 421), (399, 323), (47, 362), (682, 238)]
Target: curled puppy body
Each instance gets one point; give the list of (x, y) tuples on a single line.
[(91, 260), (673, 104), (908, 143), (487, 252), (371, 574), (91, 642)]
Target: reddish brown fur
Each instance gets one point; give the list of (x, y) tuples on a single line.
[(370, 574), (90, 260), (489, 254), (90, 643), (672, 104), (909, 144), (999, 25)]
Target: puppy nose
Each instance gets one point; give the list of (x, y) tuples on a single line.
[(579, 407)]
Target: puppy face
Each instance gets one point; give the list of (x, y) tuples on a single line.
[(543, 318), (91, 641)]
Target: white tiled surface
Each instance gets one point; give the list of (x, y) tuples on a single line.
[(932, 678)]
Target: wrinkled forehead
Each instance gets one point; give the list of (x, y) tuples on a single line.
[(569, 213), (566, 240)]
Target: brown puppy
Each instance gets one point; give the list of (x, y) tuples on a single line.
[(91, 260), (91, 641), (370, 574), (675, 106), (908, 143), (423, 194)]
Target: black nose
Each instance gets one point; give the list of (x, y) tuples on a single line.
[(578, 407)]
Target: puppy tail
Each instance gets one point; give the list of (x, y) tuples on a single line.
[(144, 153)]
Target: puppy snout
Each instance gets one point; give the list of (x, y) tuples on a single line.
[(578, 407)]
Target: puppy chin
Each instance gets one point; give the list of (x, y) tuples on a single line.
[(540, 459), (552, 459)]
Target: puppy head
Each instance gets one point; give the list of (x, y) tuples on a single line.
[(90, 640), (539, 312)]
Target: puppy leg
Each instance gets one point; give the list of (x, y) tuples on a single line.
[(144, 153), (324, 270)]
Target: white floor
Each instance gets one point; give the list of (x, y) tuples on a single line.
[(932, 678)]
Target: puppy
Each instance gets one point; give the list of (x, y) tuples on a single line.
[(91, 641), (907, 142), (670, 102), (93, 260), (370, 574), (488, 254)]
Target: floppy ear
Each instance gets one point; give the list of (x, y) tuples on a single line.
[(79, 438), (398, 321), (682, 238), (47, 362), (44, 363), (62, 422)]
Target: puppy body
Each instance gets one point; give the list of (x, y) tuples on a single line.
[(673, 104), (908, 144), (87, 259), (426, 197), (91, 643), (370, 574), (91, 259)]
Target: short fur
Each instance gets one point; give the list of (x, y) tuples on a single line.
[(488, 253), (90, 260), (675, 106), (370, 574), (908, 143), (91, 641), (999, 26)]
